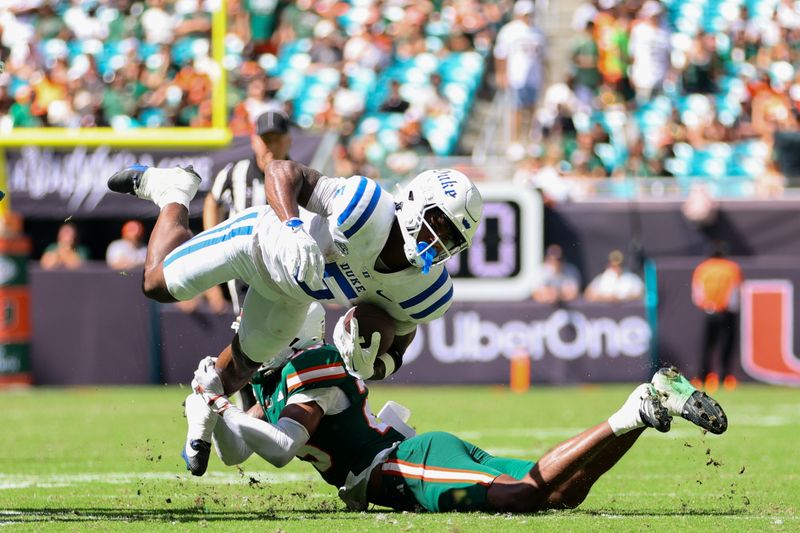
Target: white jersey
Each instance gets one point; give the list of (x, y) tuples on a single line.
[(350, 218)]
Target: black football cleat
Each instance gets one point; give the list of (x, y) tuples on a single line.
[(127, 181), (196, 454), (682, 399), (652, 411)]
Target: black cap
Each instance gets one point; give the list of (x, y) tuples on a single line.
[(272, 122)]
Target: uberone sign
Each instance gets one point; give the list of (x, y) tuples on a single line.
[(474, 342), (564, 335)]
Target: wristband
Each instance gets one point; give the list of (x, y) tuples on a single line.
[(294, 223), (388, 364)]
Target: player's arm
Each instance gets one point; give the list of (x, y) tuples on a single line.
[(289, 186), (390, 362), (276, 443)]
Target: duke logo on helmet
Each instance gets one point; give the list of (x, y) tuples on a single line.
[(449, 205), (446, 182)]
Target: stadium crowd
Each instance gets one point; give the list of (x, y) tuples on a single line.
[(395, 78), (684, 89), (98, 63), (669, 88)]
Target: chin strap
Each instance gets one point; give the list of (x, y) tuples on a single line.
[(427, 256)]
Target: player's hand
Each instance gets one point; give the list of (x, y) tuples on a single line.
[(208, 385), (300, 255), (206, 380), (359, 361)]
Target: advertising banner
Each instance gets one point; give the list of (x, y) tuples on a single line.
[(57, 183), (475, 343), (15, 322)]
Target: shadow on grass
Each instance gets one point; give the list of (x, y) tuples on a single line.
[(178, 514), (195, 514), (660, 512)]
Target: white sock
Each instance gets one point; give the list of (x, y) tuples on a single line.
[(156, 186), (627, 418), (200, 418), (173, 197)]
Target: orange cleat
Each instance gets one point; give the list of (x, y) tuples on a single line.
[(697, 383), (730, 382), (712, 383)]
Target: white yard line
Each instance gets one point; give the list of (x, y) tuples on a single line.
[(22, 481)]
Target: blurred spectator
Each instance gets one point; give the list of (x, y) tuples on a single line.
[(612, 34), (20, 112), (556, 114), (615, 283), (519, 67), (559, 281), (543, 173), (584, 159), (66, 252), (703, 65), (430, 101), (715, 291), (585, 58), (326, 46), (649, 50), (394, 103), (637, 165), (258, 100), (130, 251), (343, 109), (412, 145)]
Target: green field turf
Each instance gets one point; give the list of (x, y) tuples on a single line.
[(107, 459)]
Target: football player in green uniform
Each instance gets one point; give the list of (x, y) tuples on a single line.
[(313, 409)]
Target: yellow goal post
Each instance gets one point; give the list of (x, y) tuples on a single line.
[(218, 135), (183, 137)]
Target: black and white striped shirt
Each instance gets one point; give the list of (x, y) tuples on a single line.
[(238, 186)]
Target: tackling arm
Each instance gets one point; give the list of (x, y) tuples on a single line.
[(276, 443)]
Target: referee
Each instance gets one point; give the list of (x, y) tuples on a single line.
[(239, 186)]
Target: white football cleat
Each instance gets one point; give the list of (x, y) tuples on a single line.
[(201, 420), (160, 185)]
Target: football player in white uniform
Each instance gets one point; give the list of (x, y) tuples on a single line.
[(319, 239)]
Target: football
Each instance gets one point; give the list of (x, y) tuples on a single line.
[(371, 318)]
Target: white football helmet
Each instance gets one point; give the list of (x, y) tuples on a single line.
[(439, 212), (312, 333)]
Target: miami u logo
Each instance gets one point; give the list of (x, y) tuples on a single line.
[(768, 331)]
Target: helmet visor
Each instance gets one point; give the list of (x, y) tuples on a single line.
[(439, 232)]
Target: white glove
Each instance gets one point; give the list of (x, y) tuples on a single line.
[(208, 384), (299, 254), (360, 362)]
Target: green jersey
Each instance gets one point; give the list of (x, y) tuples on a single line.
[(344, 442)]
